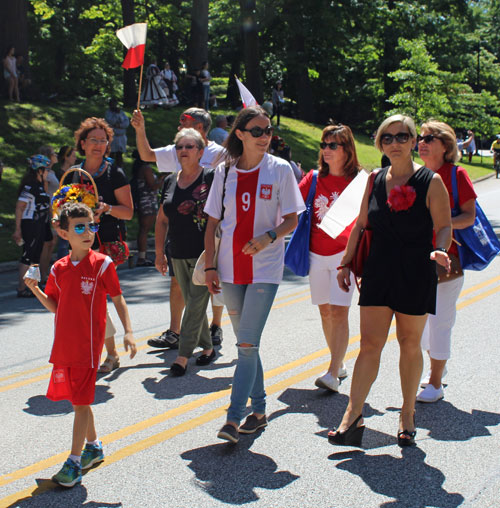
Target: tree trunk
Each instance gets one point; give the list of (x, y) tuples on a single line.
[(14, 27), (253, 79), (389, 62), (129, 90), (197, 49), (298, 73)]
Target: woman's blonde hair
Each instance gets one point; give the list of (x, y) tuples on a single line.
[(191, 133), (446, 135), (405, 120)]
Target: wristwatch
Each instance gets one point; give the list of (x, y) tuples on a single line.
[(272, 235)]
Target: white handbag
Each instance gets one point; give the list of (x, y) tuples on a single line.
[(199, 269), (198, 276)]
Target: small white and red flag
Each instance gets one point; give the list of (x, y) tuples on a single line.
[(246, 97), (133, 38), (342, 215)]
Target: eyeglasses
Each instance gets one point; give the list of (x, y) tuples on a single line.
[(400, 137), (96, 141), (331, 146), (182, 147), (80, 227), (257, 132), (429, 138)]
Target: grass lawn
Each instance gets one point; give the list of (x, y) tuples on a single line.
[(25, 127)]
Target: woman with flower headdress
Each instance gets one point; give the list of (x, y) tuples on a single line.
[(402, 205), (32, 217), (93, 141)]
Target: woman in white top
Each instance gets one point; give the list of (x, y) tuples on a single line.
[(256, 198), (10, 73)]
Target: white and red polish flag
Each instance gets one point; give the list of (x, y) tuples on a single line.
[(246, 97), (342, 215), (133, 38)]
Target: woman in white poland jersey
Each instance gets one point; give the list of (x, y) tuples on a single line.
[(256, 197)]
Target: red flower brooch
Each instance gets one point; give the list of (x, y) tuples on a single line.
[(401, 198)]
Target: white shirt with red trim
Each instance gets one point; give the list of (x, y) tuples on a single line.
[(80, 293), (167, 161), (255, 202)]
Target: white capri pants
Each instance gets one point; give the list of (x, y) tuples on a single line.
[(436, 337), (323, 281)]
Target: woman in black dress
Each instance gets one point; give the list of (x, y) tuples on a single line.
[(399, 279)]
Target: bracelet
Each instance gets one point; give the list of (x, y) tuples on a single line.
[(109, 210), (341, 267), (440, 249), (209, 269)]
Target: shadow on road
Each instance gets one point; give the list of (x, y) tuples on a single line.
[(328, 408), (448, 423), (231, 473), (408, 480), (47, 493), (39, 405)]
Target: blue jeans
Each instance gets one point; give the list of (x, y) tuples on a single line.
[(248, 306), (206, 96)]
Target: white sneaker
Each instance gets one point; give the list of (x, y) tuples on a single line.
[(328, 382), (430, 394), (425, 380), (342, 371)]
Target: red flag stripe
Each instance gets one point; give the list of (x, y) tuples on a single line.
[(134, 57)]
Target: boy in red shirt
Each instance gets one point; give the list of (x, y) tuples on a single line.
[(76, 292)]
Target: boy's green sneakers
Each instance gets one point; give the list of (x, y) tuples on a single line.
[(69, 475), (91, 455)]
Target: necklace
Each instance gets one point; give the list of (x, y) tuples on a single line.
[(102, 167)]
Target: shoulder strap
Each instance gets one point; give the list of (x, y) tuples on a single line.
[(454, 187), (371, 180), (226, 172), (312, 188)]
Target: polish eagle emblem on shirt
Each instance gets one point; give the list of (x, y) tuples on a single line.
[(322, 204), (87, 287)]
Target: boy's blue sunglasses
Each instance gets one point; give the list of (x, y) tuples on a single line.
[(80, 228)]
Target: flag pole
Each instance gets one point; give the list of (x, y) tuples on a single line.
[(139, 94)]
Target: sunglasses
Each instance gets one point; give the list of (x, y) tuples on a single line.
[(182, 147), (400, 137), (80, 227), (429, 138), (331, 146), (95, 141), (257, 132)]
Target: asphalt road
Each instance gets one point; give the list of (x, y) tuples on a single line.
[(159, 432)]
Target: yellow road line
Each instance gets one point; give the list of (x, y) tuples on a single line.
[(122, 352), (190, 424)]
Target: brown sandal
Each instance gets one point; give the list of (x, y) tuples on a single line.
[(109, 365)]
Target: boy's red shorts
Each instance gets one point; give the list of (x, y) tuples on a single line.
[(76, 384)]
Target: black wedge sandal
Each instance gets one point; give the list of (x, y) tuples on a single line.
[(350, 437)]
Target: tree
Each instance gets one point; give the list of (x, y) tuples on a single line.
[(129, 96), (14, 27), (251, 48), (420, 91), (197, 50)]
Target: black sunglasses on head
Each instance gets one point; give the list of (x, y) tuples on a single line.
[(331, 146), (400, 137), (257, 132)]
